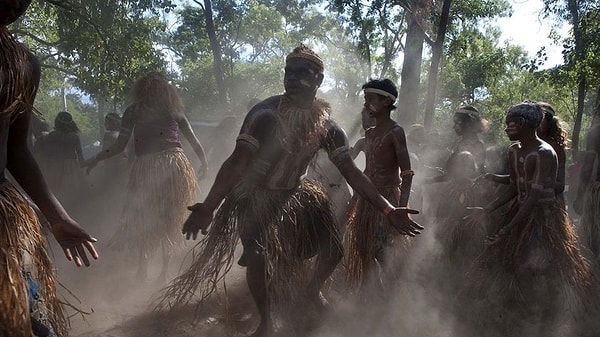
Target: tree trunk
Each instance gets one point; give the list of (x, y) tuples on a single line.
[(216, 50), (408, 100), (581, 77), (436, 56)]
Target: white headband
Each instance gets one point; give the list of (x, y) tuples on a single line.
[(380, 92)]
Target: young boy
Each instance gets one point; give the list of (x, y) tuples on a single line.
[(368, 234)]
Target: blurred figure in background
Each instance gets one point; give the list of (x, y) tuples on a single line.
[(587, 201), (162, 182), (61, 156)]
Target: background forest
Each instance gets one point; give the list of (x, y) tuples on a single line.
[(221, 54)]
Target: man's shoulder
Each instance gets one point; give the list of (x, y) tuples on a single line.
[(266, 105)]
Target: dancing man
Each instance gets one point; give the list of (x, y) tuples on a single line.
[(282, 219)]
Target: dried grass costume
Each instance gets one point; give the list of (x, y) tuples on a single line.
[(162, 183), (273, 211), (368, 236), (22, 244), (460, 242), (539, 259)]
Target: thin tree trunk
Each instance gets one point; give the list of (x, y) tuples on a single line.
[(581, 77), (408, 100), (437, 49), (216, 50)]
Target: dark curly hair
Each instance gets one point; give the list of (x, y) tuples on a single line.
[(384, 84), (554, 131), (154, 90)]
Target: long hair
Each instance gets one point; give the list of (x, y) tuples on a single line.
[(155, 91), (555, 131)]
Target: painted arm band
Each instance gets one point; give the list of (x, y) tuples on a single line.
[(407, 172), (336, 155), (249, 139)]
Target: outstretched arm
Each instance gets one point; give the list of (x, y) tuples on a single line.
[(118, 146), (23, 167), (188, 133), (230, 173)]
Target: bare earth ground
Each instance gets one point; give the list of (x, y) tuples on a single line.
[(119, 305)]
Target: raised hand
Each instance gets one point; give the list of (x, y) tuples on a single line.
[(398, 218), (199, 220), (74, 241)]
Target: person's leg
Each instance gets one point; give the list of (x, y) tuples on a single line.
[(330, 252), (255, 277), (253, 259)]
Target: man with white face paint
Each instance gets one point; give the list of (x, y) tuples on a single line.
[(533, 258), (282, 218)]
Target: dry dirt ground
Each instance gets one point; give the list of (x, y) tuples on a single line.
[(120, 306)]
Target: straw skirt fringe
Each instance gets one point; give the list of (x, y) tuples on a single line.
[(22, 242), (289, 223), (544, 247), (161, 186), (368, 235)]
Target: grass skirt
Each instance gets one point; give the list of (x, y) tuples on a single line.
[(289, 223), (161, 186), (23, 249), (369, 236), (590, 219), (460, 241), (538, 264)]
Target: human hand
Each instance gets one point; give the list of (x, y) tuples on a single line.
[(72, 238), (199, 220), (398, 218), (89, 164)]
